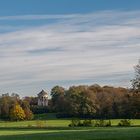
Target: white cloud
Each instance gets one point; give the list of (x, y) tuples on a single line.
[(100, 46)]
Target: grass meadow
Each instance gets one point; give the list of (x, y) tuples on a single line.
[(52, 128), (51, 123), (115, 133)]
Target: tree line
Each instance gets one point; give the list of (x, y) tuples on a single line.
[(94, 101), (98, 102), (13, 108)]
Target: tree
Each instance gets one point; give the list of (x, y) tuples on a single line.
[(4, 107), (15, 96), (136, 80), (26, 107), (32, 101), (17, 113), (58, 100), (28, 114), (81, 101)]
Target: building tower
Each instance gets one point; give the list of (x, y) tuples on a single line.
[(43, 98)]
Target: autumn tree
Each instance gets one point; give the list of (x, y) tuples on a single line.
[(17, 113), (28, 114), (94, 101), (26, 107)]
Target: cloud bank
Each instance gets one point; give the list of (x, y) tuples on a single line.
[(89, 48)]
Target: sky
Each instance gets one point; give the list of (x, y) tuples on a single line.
[(44, 43)]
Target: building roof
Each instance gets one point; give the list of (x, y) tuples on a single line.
[(42, 93)]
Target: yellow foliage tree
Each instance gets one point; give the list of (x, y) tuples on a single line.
[(17, 113)]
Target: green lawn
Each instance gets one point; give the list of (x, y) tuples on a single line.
[(53, 123), (57, 129), (113, 133), (44, 123)]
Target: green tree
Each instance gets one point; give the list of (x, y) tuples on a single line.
[(58, 99), (81, 100), (5, 104)]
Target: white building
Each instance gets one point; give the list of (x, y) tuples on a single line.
[(43, 98)]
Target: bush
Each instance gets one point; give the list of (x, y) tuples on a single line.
[(75, 123), (102, 123), (124, 122), (87, 123), (78, 123), (108, 123)]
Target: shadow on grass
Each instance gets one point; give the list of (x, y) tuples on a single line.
[(44, 128), (49, 135), (74, 134)]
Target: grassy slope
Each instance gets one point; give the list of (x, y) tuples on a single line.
[(130, 133)]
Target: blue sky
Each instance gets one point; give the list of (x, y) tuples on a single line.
[(44, 43), (18, 7)]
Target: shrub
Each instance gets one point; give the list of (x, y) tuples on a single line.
[(124, 122), (75, 122), (78, 123), (102, 123), (87, 123), (108, 123)]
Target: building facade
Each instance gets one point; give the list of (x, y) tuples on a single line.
[(43, 98)]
